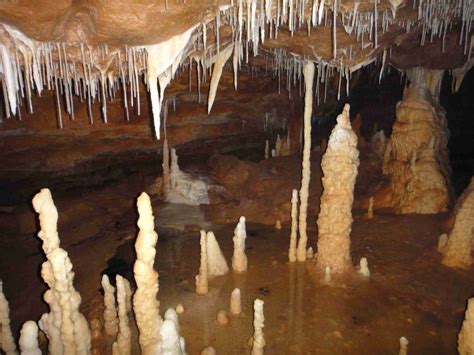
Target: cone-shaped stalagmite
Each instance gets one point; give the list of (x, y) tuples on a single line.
[(466, 335), (7, 344), (339, 165)]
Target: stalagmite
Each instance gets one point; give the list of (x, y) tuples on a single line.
[(168, 335), (278, 146), (258, 324), (466, 335), (128, 295), (216, 263), (417, 159), (339, 165), (124, 345), (7, 343), (179, 308), (145, 304), (460, 242), (166, 167), (110, 312), (364, 268), (201, 278), (370, 208), (308, 72), (277, 224), (239, 259), (309, 253), (403, 346), (267, 150), (170, 344), (222, 58), (222, 318), (235, 302), (208, 350), (65, 326), (294, 226), (97, 337), (327, 274), (29, 339)]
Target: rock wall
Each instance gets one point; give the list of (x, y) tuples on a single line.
[(417, 159)]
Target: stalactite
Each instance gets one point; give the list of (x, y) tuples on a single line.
[(216, 75)]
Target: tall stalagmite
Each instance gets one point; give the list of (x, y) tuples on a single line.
[(308, 72), (7, 344), (145, 303), (339, 165), (460, 243), (417, 158), (110, 311), (66, 328), (123, 345)]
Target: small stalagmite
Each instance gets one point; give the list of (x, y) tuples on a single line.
[(458, 247), (235, 302), (145, 303), (309, 253), (166, 167), (124, 344), (258, 324), (66, 328), (222, 318), (278, 145), (308, 72), (29, 339), (172, 315), (180, 308), (267, 149), (239, 259), (294, 226), (7, 343), (208, 350), (364, 268), (339, 165), (403, 346), (216, 263), (277, 224), (201, 278), (110, 312), (466, 335), (370, 208)]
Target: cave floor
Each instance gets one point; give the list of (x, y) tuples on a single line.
[(409, 294)]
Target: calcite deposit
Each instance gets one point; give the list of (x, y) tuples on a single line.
[(339, 165), (416, 158), (457, 247)]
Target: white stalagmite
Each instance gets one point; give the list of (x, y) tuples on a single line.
[(201, 278), (364, 268), (466, 335), (239, 259), (403, 346), (110, 312), (29, 339), (258, 324), (216, 263), (458, 247), (308, 72), (145, 304), (235, 302), (128, 295), (162, 61), (66, 328), (166, 167), (123, 344), (170, 344), (7, 344), (339, 165), (222, 58), (172, 315), (294, 226)]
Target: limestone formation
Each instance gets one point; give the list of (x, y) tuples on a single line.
[(222, 318), (258, 324), (403, 346), (364, 268), (208, 350), (145, 303), (267, 149), (216, 263), (458, 247), (66, 328), (239, 259), (235, 302), (370, 208), (29, 339), (339, 165), (180, 308), (309, 253), (169, 334), (166, 167), (417, 159), (7, 343), (110, 312), (294, 226), (201, 278), (123, 344), (308, 71), (466, 335)]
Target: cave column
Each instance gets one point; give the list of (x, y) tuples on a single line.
[(417, 159)]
